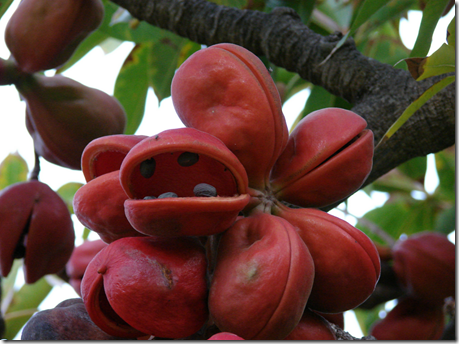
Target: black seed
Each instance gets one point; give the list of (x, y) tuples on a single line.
[(168, 194), (204, 190), (147, 168), (188, 159), (149, 197)]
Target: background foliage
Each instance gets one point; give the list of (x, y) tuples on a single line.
[(374, 25)]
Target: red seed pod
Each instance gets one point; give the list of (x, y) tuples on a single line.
[(225, 336), (411, 319), (105, 154), (312, 326), (262, 279), (347, 265), (99, 205), (205, 183), (63, 116), (35, 224), (41, 35), (147, 285), (80, 259), (425, 264), (238, 103), (328, 156)]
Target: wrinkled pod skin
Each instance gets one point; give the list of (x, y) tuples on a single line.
[(176, 161), (42, 36), (79, 260), (63, 116), (239, 104), (105, 154), (146, 285), (262, 279), (425, 265), (69, 320), (35, 224), (410, 319), (347, 265), (99, 205), (328, 156)]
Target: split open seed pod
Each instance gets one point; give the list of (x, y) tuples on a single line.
[(147, 285), (183, 182), (328, 156), (105, 154), (347, 265), (35, 224), (225, 90)]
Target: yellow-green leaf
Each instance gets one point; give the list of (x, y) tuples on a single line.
[(441, 62), (13, 170), (25, 302), (414, 106), (67, 192), (4, 5), (131, 85)]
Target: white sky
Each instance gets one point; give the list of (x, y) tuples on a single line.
[(99, 70)]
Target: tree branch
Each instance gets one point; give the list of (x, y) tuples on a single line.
[(378, 92)]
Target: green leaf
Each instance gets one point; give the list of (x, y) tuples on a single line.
[(415, 168), (446, 170), (9, 281), (396, 182), (440, 62), (13, 170), (451, 33), (167, 53), (304, 9), (430, 16), (25, 302), (4, 5), (403, 216), (367, 317), (389, 218), (366, 11), (414, 106), (368, 8), (67, 192), (86, 232), (446, 221), (335, 15), (131, 85), (381, 41)]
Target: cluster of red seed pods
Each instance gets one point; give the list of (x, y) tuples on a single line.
[(197, 219)]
